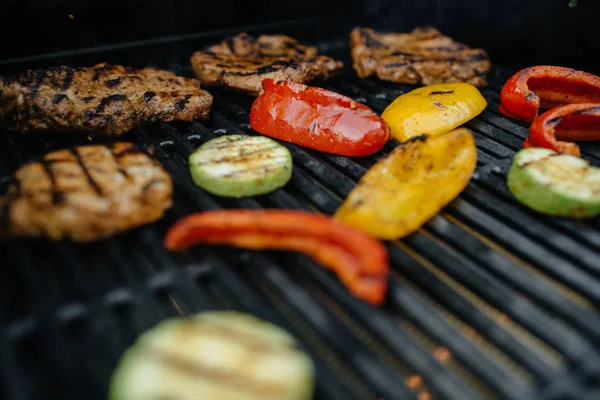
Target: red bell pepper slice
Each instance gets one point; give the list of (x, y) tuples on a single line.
[(546, 87), (360, 261), (570, 122), (318, 119)]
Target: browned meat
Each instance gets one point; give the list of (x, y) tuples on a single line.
[(424, 56), (85, 193), (107, 100), (242, 62)]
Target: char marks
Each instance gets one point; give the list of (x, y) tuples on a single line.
[(79, 193), (113, 82), (148, 96), (103, 100), (241, 62), (58, 98), (91, 181), (591, 110), (423, 56), (69, 74), (56, 195)]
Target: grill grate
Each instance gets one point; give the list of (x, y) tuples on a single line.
[(487, 300)]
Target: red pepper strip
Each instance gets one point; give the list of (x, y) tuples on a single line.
[(360, 261), (546, 87), (318, 119), (570, 122)]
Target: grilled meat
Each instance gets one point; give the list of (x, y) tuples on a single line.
[(242, 62), (424, 56), (107, 100), (85, 193)]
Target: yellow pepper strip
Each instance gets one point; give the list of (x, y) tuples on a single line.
[(412, 184), (433, 110)]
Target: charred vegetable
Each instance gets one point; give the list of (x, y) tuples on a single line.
[(238, 165), (413, 183), (570, 122), (317, 118), (433, 110), (546, 86), (555, 184), (218, 355), (360, 261)]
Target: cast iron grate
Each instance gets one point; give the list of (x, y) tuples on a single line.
[(487, 300)]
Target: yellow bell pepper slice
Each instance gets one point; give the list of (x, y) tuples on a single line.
[(433, 110), (411, 185)]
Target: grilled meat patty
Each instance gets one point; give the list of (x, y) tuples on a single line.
[(424, 56), (242, 62), (85, 193), (107, 100)]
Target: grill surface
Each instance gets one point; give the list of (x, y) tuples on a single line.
[(487, 300)]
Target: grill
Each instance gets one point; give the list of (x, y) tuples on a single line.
[(488, 300)]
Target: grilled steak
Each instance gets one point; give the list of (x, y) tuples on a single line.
[(242, 62), (424, 56), (107, 100), (85, 193)]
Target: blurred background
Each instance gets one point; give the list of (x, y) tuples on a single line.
[(521, 31)]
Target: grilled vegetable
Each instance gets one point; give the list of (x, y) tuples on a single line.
[(546, 87), (555, 184), (238, 165), (317, 118), (408, 187), (218, 355), (360, 261), (433, 110), (570, 122)]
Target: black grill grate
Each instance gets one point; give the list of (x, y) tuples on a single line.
[(487, 300)]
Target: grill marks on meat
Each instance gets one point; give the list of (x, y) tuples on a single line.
[(242, 62), (85, 193), (106, 100), (424, 56)]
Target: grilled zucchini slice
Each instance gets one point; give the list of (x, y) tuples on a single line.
[(240, 166), (217, 355), (555, 184)]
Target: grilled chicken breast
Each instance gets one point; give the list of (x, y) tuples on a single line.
[(424, 56), (85, 193), (106, 100), (242, 62)]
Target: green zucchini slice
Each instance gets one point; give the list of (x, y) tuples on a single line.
[(217, 355), (555, 184), (240, 166)]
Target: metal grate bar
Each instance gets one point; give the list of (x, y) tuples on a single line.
[(252, 204), (539, 330), (506, 296), (465, 310), (331, 384)]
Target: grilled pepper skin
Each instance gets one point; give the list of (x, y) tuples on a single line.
[(412, 184), (317, 118), (433, 110), (570, 122), (546, 86), (360, 261)]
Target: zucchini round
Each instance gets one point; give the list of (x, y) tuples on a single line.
[(240, 166), (555, 184), (217, 355)]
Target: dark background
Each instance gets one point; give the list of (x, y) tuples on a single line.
[(515, 32)]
